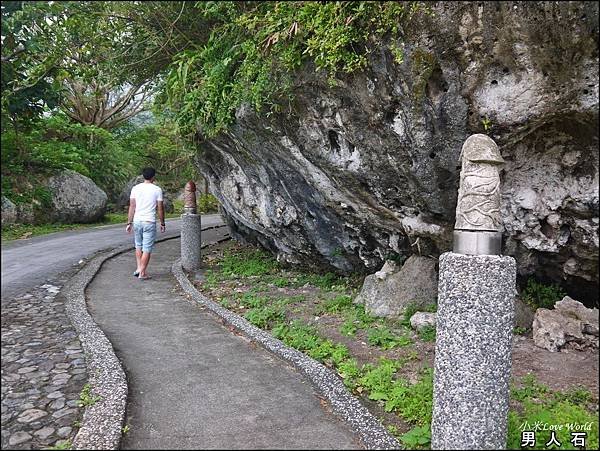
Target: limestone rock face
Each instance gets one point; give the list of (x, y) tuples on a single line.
[(388, 292), (353, 173), (9, 212), (75, 198), (569, 325), (421, 320)]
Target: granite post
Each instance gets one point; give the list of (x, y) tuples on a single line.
[(475, 314), (191, 230)]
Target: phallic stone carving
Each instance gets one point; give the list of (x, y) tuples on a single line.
[(478, 207), (189, 198)]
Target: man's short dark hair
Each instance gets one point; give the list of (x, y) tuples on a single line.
[(148, 173)]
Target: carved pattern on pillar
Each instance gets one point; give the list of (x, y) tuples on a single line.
[(478, 207)]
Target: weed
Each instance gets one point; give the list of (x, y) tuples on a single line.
[(247, 263), (538, 295), (427, 333), (62, 444), (529, 389), (225, 303), (126, 429), (349, 372), (252, 301), (539, 404), (412, 355), (413, 402), (519, 331), (327, 281), (265, 316), (337, 304), (384, 338), (379, 379), (487, 124), (356, 318), (281, 282), (304, 338), (211, 279), (418, 437), (550, 412), (86, 398), (576, 395)]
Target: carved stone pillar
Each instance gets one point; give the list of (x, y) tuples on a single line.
[(475, 314), (191, 230)]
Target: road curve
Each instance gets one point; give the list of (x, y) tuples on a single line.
[(30, 262)]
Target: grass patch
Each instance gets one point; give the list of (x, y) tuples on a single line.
[(271, 303), (246, 264), (565, 411)]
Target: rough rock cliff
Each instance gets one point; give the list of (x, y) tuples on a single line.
[(346, 175)]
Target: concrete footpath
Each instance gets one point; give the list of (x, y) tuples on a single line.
[(193, 384)]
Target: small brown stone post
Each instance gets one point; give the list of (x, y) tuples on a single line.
[(191, 230)]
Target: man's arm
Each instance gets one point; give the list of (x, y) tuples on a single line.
[(161, 215), (130, 214)]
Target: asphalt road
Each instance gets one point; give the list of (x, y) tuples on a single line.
[(30, 262)]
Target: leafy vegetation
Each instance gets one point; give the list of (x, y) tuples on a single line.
[(253, 49), (256, 263), (564, 411), (335, 305), (427, 333), (62, 444), (383, 337), (539, 295), (86, 398)]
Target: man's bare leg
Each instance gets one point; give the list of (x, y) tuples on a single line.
[(145, 259), (138, 260)]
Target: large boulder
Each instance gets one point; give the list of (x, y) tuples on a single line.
[(569, 325), (389, 291), (75, 198), (9, 212), (352, 173)]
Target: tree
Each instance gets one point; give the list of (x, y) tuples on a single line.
[(27, 83)]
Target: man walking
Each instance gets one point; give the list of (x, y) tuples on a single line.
[(143, 202)]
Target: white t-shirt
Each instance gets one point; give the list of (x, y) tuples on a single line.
[(146, 196)]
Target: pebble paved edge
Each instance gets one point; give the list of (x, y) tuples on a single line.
[(370, 431), (101, 426)]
